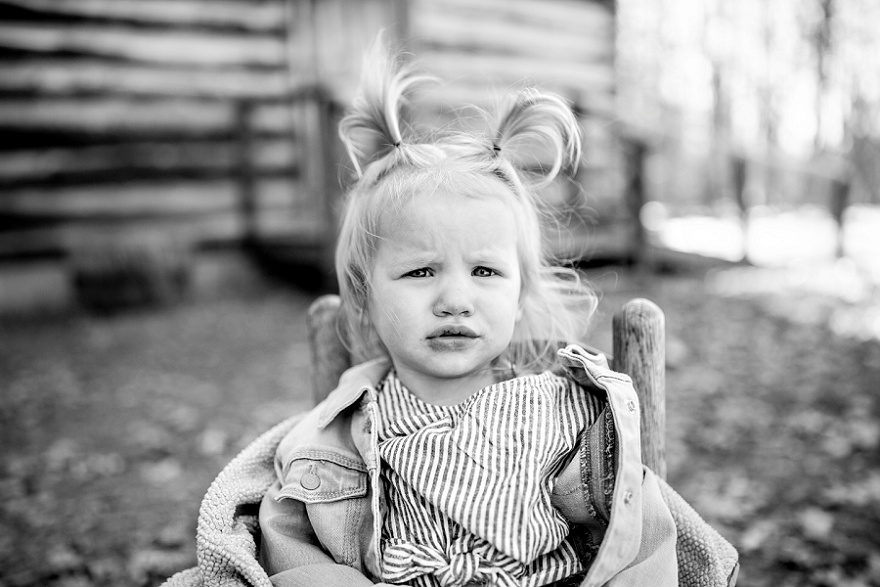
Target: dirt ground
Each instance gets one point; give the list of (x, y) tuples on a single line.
[(112, 427)]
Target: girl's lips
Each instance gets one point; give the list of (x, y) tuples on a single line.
[(452, 332), (451, 343)]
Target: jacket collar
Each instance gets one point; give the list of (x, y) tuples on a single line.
[(353, 384), (363, 378)]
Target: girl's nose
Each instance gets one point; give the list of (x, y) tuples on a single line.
[(454, 300)]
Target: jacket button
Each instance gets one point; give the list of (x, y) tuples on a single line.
[(627, 497), (631, 405), (310, 481)]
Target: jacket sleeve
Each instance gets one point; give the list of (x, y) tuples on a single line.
[(291, 553)]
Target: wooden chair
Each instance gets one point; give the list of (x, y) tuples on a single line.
[(639, 351)]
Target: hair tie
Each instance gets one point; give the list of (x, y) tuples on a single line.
[(496, 148), (397, 145)]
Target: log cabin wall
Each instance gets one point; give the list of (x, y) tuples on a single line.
[(480, 48), (173, 117), (212, 120)]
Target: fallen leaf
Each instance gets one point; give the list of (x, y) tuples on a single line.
[(816, 523), (756, 535), (162, 472)]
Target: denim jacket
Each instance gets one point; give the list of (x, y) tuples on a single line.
[(317, 482), (327, 506)]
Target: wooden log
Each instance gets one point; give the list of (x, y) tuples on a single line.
[(153, 198), (119, 200), (330, 358), (437, 26), (501, 71), (163, 158), (571, 15), (640, 352), (54, 77), (101, 115), (56, 240), (257, 16), (177, 117), (145, 45), (222, 227), (480, 93), (279, 116)]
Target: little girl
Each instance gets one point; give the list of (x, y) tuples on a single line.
[(472, 450), (458, 457)]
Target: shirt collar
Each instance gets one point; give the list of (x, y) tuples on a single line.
[(353, 384), (363, 378)]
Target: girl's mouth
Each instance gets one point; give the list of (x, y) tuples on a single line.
[(452, 339), (452, 332)]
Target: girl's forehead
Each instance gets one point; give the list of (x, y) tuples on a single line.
[(442, 221), (437, 206), (438, 188)]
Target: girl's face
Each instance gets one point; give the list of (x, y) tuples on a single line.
[(445, 292)]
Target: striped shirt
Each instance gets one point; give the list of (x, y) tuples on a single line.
[(468, 486)]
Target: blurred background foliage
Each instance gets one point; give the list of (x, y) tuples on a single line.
[(756, 111)]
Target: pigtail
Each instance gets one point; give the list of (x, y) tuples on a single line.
[(377, 122), (537, 136), (533, 129)]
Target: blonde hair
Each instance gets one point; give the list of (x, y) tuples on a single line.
[(395, 159)]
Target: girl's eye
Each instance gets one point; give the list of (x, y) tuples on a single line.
[(484, 272), (423, 272)]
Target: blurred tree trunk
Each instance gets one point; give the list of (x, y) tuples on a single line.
[(821, 39), (769, 113), (715, 45)]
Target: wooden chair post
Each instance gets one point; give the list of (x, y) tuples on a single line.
[(639, 351)]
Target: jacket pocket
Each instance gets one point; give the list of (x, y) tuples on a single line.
[(323, 480)]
